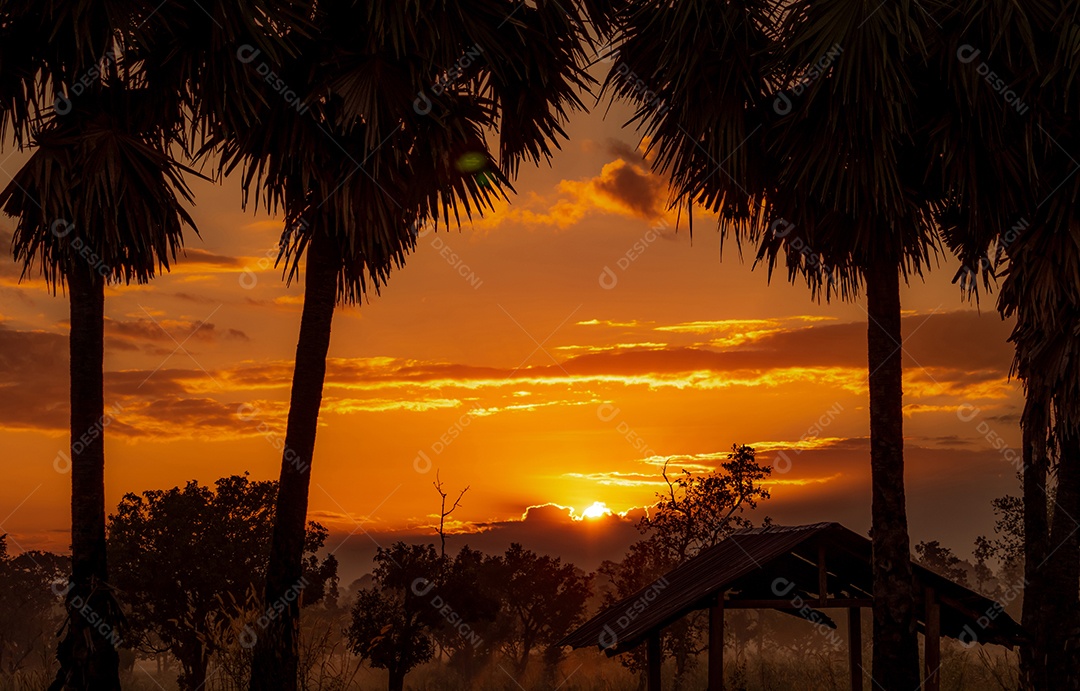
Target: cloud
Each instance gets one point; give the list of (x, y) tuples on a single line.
[(625, 151), (952, 356), (622, 188), (202, 258), (33, 380), (545, 529), (632, 324), (168, 330)]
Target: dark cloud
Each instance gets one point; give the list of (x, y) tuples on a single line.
[(197, 256), (634, 187), (187, 417), (33, 379), (197, 299), (958, 346), (35, 391), (167, 330), (957, 350), (544, 529), (625, 151)]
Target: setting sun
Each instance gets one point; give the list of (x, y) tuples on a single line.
[(597, 510)]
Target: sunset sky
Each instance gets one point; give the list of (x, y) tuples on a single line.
[(563, 364)]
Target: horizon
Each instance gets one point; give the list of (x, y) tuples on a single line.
[(535, 354)]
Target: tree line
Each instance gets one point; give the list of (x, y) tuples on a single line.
[(853, 142), (190, 560)]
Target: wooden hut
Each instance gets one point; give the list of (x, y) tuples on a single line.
[(799, 570)]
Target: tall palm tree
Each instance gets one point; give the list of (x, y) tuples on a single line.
[(1014, 203), (807, 126), (398, 100), (92, 157), (102, 200)]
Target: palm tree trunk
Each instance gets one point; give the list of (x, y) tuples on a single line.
[(896, 655), (1063, 563), (1034, 617), (275, 658), (88, 660)]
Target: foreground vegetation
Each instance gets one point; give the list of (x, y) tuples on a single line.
[(441, 620)]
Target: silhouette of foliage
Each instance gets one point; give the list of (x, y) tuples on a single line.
[(696, 511), (543, 599), (31, 602), (186, 557)]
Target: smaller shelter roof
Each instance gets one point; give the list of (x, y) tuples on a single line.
[(788, 568)]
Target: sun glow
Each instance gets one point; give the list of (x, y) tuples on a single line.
[(597, 510)]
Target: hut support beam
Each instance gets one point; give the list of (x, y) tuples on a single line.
[(654, 656), (854, 618), (716, 645), (932, 642)]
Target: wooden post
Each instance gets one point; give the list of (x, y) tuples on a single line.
[(854, 620), (932, 642), (823, 576), (655, 657), (716, 645)]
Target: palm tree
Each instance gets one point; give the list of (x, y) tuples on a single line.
[(807, 126), (92, 157), (104, 156), (396, 99), (1013, 203), (1040, 289), (102, 200)]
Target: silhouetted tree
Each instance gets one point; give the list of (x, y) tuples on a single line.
[(542, 600), (31, 606), (941, 561), (700, 510), (449, 76), (696, 511), (763, 114), (1010, 161), (391, 621), (104, 97), (185, 557), (472, 582), (445, 513)]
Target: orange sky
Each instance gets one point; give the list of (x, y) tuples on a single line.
[(563, 364)]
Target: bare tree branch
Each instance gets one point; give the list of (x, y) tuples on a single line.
[(443, 513)]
